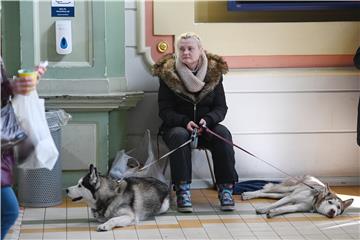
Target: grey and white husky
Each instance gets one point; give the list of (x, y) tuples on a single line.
[(299, 194), (120, 203)]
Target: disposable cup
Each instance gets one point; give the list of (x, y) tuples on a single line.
[(28, 73)]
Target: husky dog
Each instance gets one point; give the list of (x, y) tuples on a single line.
[(120, 203), (299, 194)]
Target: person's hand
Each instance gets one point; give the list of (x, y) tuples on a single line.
[(24, 85), (40, 71), (27, 83), (191, 125), (201, 123)]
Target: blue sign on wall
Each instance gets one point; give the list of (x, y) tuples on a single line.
[(63, 8), (252, 5)]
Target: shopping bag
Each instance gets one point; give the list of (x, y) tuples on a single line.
[(30, 111), (138, 162), (11, 131)]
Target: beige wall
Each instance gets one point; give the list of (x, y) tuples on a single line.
[(235, 39), (302, 120)]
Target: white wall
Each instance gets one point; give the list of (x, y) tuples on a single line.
[(303, 121)]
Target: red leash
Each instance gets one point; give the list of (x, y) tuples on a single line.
[(244, 150), (227, 141)]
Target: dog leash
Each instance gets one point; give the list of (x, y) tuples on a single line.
[(193, 138), (244, 150), (167, 154)]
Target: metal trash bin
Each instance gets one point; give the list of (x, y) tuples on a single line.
[(42, 187)]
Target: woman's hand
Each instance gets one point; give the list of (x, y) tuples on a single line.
[(40, 71), (201, 123), (26, 84), (191, 125)]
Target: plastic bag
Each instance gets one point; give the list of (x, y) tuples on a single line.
[(11, 131), (30, 111), (120, 168), (139, 162)]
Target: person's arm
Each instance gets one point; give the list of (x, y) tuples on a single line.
[(166, 101), (219, 109)]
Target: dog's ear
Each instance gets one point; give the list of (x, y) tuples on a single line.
[(347, 203), (327, 189), (93, 175), (91, 168)]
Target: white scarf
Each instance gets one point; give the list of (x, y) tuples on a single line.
[(193, 83)]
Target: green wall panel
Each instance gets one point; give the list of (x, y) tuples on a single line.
[(10, 33), (98, 32)]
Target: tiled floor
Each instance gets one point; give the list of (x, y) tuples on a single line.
[(73, 221)]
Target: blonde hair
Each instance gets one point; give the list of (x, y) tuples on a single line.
[(188, 35)]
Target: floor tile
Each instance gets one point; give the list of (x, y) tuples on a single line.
[(168, 233), (55, 213), (72, 221), (101, 235), (77, 212), (148, 233), (195, 233), (54, 235), (124, 233), (31, 236)]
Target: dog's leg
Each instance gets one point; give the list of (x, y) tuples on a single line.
[(97, 216), (267, 188), (300, 207), (270, 190), (120, 221), (279, 188), (165, 205), (281, 202), (260, 194)]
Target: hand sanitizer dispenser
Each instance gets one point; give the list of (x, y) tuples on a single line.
[(63, 37)]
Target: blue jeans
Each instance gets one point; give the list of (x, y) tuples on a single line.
[(9, 209)]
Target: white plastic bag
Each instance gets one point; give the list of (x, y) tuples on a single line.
[(30, 111), (139, 162), (120, 168)]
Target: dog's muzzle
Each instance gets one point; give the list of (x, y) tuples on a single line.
[(76, 199), (73, 199), (331, 213)]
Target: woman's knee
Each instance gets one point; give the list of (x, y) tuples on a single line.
[(222, 131), (177, 135), (12, 215)]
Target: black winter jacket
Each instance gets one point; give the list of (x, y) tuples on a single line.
[(177, 106)]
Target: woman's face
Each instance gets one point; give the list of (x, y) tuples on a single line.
[(189, 52)]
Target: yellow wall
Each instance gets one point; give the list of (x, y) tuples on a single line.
[(239, 39)]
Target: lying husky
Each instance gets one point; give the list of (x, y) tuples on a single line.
[(123, 203), (300, 194)]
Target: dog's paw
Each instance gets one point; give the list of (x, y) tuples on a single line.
[(246, 196), (272, 213), (261, 211), (103, 227)]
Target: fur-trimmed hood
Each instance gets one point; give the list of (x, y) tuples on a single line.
[(166, 71)]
